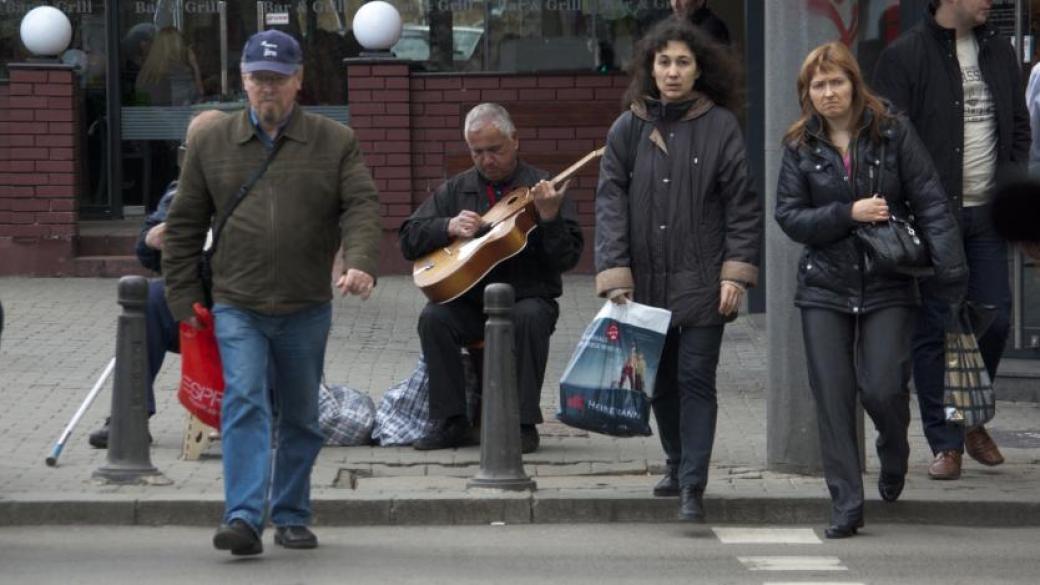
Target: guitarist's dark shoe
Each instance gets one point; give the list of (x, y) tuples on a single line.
[(454, 432)]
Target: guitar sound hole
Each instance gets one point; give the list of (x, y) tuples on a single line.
[(512, 200)]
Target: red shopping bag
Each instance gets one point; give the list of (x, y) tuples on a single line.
[(202, 380)]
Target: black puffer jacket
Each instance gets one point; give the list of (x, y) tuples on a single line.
[(814, 207)]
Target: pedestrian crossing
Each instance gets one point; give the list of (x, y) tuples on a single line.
[(822, 564)]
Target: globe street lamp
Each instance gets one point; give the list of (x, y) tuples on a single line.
[(46, 32), (377, 27)]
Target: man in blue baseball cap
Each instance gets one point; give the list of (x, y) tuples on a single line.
[(290, 189)]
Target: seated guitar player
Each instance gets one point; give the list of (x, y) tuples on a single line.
[(553, 247)]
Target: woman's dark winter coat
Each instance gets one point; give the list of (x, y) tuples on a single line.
[(814, 207), (674, 216)]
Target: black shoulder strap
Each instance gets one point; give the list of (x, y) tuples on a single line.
[(242, 191)]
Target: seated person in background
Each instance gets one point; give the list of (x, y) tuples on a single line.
[(454, 211), (162, 334)]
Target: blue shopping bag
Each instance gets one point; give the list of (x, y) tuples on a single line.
[(609, 381)]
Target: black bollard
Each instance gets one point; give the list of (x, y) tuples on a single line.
[(129, 460), (501, 466)]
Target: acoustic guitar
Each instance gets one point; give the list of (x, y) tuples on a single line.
[(447, 273)]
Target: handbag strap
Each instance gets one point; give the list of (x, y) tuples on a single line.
[(242, 191)]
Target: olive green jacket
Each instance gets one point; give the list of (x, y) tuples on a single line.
[(276, 252)]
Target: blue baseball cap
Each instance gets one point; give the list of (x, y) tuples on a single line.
[(271, 50)]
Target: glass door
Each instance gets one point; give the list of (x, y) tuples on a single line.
[(178, 57)]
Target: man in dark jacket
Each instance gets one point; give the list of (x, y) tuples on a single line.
[(454, 211), (960, 85), (162, 334)]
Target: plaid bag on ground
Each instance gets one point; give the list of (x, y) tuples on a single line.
[(609, 381), (968, 398), (346, 415)]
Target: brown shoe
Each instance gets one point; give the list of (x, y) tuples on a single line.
[(981, 448), (947, 465)]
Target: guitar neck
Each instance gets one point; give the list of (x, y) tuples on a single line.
[(563, 177)]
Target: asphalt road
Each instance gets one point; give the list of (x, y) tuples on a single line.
[(557, 554)]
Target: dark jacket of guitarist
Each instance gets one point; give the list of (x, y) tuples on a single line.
[(553, 247)]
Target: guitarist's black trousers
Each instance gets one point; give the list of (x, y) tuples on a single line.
[(445, 329)]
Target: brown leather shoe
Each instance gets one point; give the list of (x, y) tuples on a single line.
[(981, 448), (947, 465)]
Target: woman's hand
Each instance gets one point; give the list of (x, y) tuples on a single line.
[(730, 297), (870, 210), (620, 296)]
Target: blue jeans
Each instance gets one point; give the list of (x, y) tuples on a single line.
[(295, 343), (988, 283)]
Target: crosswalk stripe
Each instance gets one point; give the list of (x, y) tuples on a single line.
[(812, 583), (792, 563), (766, 535)]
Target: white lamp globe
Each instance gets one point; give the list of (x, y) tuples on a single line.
[(377, 25), (46, 31)]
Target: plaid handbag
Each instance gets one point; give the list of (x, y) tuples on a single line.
[(968, 398)]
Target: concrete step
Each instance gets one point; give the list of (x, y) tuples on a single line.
[(108, 267), (112, 244), (1018, 380)]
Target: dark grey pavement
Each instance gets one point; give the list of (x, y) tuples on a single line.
[(59, 335)]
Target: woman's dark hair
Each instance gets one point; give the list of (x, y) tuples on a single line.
[(836, 57), (719, 69)]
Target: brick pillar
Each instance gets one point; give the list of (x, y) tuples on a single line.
[(39, 175), (380, 114)]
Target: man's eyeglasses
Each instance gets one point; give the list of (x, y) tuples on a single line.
[(271, 79)]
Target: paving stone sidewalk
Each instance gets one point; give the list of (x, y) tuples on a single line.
[(60, 333)]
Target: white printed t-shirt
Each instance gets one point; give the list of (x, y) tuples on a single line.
[(980, 126)]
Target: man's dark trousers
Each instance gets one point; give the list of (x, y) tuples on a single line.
[(988, 284), (162, 334), (445, 329)]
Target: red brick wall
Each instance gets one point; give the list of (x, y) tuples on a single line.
[(410, 128), (38, 170)]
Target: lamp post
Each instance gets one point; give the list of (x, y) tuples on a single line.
[(46, 32), (377, 27)]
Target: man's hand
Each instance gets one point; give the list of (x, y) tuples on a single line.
[(870, 209), (465, 224), (547, 200), (729, 297), (154, 238), (356, 282)]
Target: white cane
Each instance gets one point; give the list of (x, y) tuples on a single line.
[(52, 460)]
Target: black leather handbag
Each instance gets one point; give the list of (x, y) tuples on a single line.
[(894, 246)]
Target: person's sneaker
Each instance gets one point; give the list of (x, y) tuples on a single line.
[(947, 465), (99, 438), (529, 439), (981, 447), (239, 538), (454, 432), (298, 537), (668, 486)]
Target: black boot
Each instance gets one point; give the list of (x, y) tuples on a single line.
[(691, 504), (99, 438), (843, 530), (668, 486), (449, 434)]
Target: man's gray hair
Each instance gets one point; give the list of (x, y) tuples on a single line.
[(488, 113)]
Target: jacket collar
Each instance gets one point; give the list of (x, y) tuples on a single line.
[(983, 32), (296, 129), (700, 106)]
